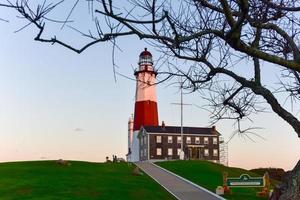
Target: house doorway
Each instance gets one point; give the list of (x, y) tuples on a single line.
[(195, 152)]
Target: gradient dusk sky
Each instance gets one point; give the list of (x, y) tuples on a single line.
[(55, 103)]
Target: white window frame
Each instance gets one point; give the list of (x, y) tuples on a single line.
[(206, 140), (197, 140), (188, 141), (170, 151), (170, 139), (215, 140), (206, 152), (179, 139), (158, 139), (158, 151), (215, 152)]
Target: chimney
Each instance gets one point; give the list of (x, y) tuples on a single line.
[(213, 130), (163, 125)]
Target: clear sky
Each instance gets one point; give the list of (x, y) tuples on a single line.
[(56, 104)]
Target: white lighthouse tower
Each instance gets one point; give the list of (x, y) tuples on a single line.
[(145, 111)]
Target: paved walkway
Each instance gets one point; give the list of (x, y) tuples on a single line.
[(180, 188)]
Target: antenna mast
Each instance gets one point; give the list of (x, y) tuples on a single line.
[(181, 154)]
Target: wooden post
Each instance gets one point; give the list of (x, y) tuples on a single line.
[(225, 186), (266, 189), (267, 182)]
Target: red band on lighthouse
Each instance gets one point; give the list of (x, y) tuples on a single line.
[(145, 112)]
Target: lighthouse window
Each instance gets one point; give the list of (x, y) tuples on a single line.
[(188, 140), (179, 139), (158, 139), (145, 60), (170, 139), (158, 151)]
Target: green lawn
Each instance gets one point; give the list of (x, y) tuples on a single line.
[(47, 180), (210, 175)]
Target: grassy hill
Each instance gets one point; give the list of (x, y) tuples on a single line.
[(210, 175), (47, 180)]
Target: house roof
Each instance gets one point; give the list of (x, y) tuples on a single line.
[(177, 129)]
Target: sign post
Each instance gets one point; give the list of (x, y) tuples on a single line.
[(246, 180)]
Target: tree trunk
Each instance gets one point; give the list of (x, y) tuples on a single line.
[(290, 188)]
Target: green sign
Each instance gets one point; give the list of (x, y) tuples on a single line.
[(245, 181)]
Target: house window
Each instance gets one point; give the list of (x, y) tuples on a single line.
[(197, 140), (178, 151), (205, 140), (188, 140), (179, 139), (145, 139), (158, 151), (145, 152), (170, 139), (142, 141), (170, 151), (158, 139), (215, 140), (142, 153), (206, 153), (215, 153)]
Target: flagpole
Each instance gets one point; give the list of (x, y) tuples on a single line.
[(181, 128)]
